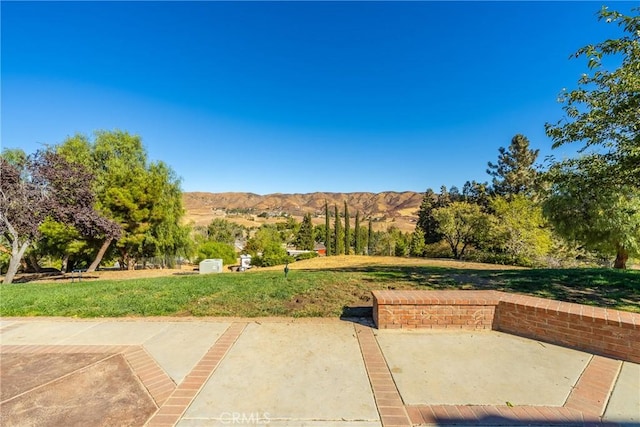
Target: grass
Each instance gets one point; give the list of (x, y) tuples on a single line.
[(307, 292)]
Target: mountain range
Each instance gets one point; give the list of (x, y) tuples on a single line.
[(389, 206)]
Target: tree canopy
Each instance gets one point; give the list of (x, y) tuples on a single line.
[(605, 221), (593, 199), (462, 224), (603, 112), (143, 197), (514, 173), (46, 185)]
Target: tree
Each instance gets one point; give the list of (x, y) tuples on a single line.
[(305, 239), (61, 241), (216, 250), (338, 236), (43, 186), (357, 236), (462, 224), (416, 244), (327, 228), (347, 231), (266, 247), (370, 238), (476, 192), (224, 231), (514, 173), (426, 221), (520, 231), (605, 221), (143, 197), (288, 230), (604, 111)]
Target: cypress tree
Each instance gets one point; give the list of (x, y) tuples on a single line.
[(338, 234), (357, 243), (369, 238), (347, 234), (327, 229)]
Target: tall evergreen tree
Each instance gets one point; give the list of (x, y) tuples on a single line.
[(304, 239), (327, 228), (370, 238), (338, 234), (426, 221), (347, 231), (514, 173), (476, 192), (358, 242)]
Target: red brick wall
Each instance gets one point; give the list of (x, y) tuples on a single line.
[(603, 331), (434, 309), (598, 330)]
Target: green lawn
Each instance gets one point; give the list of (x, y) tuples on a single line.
[(304, 293)]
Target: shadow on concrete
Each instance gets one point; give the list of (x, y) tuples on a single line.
[(362, 315), (495, 420)]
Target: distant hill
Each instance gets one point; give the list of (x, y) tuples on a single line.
[(388, 206)]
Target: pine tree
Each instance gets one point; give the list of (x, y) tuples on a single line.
[(426, 221), (514, 172), (347, 233), (338, 234), (327, 229), (358, 242), (304, 239)]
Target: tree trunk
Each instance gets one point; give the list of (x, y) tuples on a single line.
[(129, 262), (621, 258), (17, 252), (101, 252), (65, 263), (32, 263)]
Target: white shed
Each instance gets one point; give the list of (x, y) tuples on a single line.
[(211, 266)]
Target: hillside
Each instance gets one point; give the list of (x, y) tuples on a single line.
[(399, 208)]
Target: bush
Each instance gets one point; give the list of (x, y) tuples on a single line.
[(208, 250), (307, 255), (273, 254), (438, 250)]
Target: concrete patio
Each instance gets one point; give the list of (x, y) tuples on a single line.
[(298, 372)]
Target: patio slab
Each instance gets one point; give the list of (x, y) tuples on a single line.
[(624, 404), (290, 374), (179, 346), (479, 368)]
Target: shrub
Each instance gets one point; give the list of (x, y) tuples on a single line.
[(306, 255), (208, 250)]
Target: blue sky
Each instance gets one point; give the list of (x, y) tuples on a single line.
[(297, 97)]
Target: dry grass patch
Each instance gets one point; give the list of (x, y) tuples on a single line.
[(360, 261)]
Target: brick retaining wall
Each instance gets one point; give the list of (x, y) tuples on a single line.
[(597, 330)]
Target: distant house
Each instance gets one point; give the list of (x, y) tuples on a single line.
[(320, 249)]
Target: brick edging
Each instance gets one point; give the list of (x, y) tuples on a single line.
[(177, 403), (592, 391), (388, 401)]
